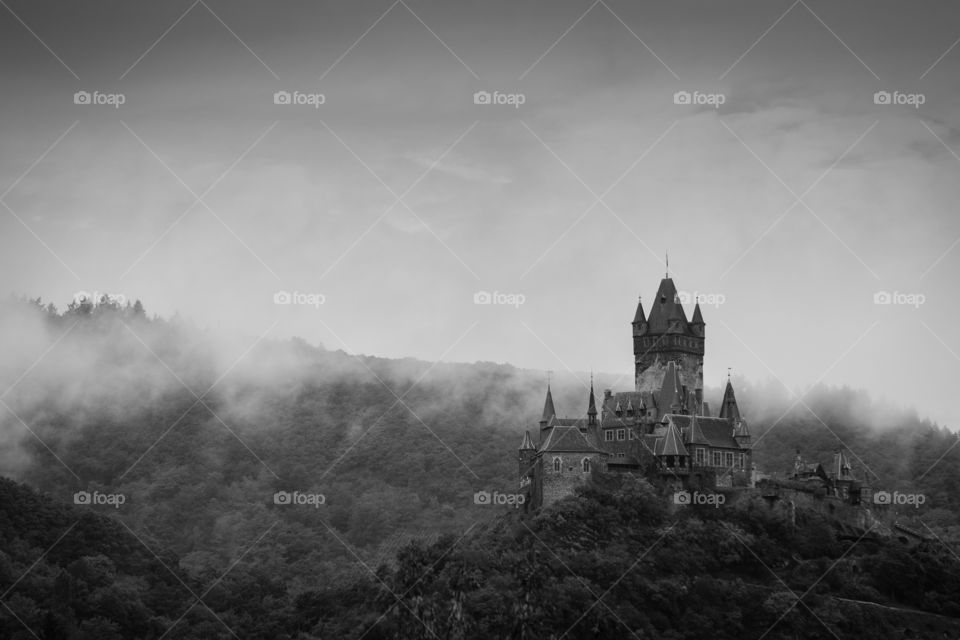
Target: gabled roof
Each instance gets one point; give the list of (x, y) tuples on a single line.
[(728, 406), (548, 410), (665, 306), (564, 438), (567, 422), (670, 444), (716, 431), (694, 434), (527, 443)]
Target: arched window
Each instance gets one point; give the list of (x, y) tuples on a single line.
[(585, 465), (556, 465)]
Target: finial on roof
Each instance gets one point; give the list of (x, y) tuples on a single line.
[(728, 374), (667, 262)]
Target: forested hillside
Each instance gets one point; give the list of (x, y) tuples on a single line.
[(199, 434)]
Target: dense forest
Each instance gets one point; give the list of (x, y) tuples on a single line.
[(200, 435)]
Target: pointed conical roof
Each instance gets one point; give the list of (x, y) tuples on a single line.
[(639, 316), (728, 406), (666, 306), (741, 430), (527, 443), (548, 410), (697, 316), (670, 397), (671, 444), (592, 406)]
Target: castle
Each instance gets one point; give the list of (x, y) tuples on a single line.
[(663, 427)]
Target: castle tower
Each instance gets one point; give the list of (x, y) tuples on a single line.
[(666, 336), (548, 410), (592, 407), (728, 406), (527, 459)]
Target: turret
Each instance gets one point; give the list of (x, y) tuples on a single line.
[(592, 406), (548, 410), (639, 320), (728, 406), (526, 457), (697, 325)]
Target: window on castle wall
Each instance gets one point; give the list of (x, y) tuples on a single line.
[(621, 434), (585, 465), (608, 435), (701, 456), (729, 461), (716, 459), (740, 460), (556, 465)]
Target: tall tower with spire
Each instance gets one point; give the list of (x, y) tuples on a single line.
[(665, 335)]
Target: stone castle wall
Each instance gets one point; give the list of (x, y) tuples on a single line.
[(555, 485), (652, 367)]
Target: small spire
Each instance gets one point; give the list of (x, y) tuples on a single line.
[(548, 410), (667, 263), (592, 405), (527, 444)]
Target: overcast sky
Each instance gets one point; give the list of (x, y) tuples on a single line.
[(792, 203)]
